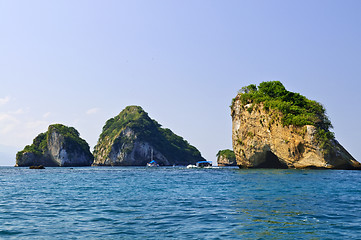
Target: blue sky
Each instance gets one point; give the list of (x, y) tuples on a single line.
[(80, 63)]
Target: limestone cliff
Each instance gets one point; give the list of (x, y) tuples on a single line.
[(130, 139), (226, 158), (272, 127), (60, 146)]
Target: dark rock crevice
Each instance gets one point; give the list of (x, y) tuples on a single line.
[(272, 161)]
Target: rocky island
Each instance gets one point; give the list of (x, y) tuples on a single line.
[(276, 128), (226, 158), (132, 138), (60, 146)]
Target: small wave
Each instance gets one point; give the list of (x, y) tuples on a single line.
[(9, 232), (102, 219)]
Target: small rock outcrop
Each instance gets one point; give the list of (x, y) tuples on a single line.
[(132, 138), (275, 128), (60, 146), (37, 167), (226, 158)]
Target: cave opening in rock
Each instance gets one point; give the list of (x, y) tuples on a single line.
[(272, 161)]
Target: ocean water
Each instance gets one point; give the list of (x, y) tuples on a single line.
[(179, 203)]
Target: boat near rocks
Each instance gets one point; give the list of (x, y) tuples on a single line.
[(201, 164), (152, 163)]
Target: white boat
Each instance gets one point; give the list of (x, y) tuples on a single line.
[(191, 166), (204, 164), (201, 164), (152, 163)]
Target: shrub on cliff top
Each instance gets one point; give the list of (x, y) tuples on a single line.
[(296, 109)]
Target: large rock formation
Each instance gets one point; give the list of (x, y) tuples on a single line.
[(60, 146), (226, 158), (132, 137), (275, 128)]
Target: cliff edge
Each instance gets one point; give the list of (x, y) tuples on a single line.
[(275, 128)]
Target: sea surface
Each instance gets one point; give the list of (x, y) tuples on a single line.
[(179, 203)]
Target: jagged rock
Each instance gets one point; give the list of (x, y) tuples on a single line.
[(60, 146), (226, 158), (275, 128), (131, 138)]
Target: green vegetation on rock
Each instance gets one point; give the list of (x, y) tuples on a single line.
[(229, 154), (146, 129), (38, 148), (226, 158), (72, 141), (295, 109)]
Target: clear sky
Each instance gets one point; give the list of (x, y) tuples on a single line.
[(80, 63)]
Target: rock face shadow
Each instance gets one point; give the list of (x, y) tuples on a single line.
[(272, 161)]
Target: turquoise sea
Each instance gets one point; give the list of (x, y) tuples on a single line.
[(179, 203)]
